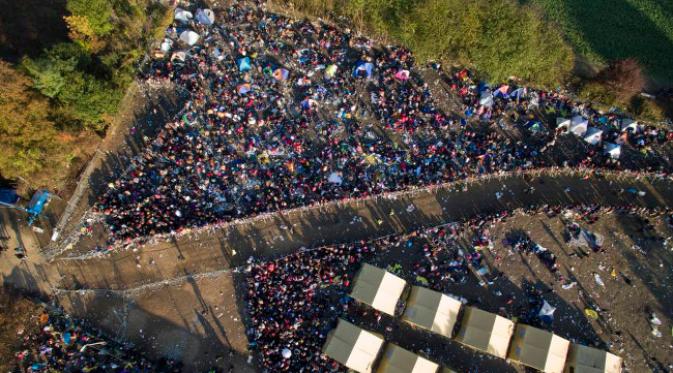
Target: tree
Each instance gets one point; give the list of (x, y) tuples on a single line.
[(28, 139), (90, 22)]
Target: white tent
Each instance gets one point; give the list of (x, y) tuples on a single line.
[(189, 37), (593, 136), (353, 347), (563, 123), (432, 310), (579, 125), (485, 331), (205, 16), (179, 55), (398, 360), (486, 99), (182, 15), (166, 45), (629, 124), (613, 150), (538, 349), (378, 288), (583, 359)]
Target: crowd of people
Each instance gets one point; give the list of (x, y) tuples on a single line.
[(284, 113), (294, 301), (63, 344)]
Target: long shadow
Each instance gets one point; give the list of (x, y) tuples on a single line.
[(164, 325), (27, 27), (147, 123), (615, 29)]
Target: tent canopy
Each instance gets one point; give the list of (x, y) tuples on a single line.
[(205, 16), (244, 64), (398, 360), (9, 196), (353, 347), (402, 75), (281, 74), (613, 150), (486, 99), (538, 349), (563, 123), (593, 135), (578, 125), (365, 68), (583, 359), (485, 331), (432, 310), (378, 288), (189, 37), (629, 124), (183, 16)]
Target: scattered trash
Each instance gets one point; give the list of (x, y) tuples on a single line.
[(569, 286), (591, 313), (598, 280)]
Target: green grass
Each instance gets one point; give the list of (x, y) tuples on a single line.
[(608, 30)]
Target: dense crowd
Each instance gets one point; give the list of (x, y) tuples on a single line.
[(63, 344), (285, 113), (294, 301)]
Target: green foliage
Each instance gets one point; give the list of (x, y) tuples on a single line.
[(97, 13), (499, 38), (80, 98), (72, 87), (609, 30), (28, 139)]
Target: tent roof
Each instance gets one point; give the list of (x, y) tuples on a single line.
[(562, 122), (485, 331), (593, 135), (584, 359), (378, 288), (182, 15), (398, 360), (629, 123), (189, 37), (578, 125), (614, 150), (432, 310), (538, 349), (205, 16), (578, 119), (352, 346)]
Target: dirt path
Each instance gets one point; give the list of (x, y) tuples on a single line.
[(178, 298), (281, 233)]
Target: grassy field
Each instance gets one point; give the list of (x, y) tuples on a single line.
[(607, 30)]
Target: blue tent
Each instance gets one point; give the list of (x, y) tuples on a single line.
[(244, 64), (8, 196), (364, 67), (37, 203)]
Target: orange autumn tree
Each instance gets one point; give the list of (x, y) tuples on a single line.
[(28, 139)]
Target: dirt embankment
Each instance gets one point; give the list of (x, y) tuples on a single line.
[(18, 318)]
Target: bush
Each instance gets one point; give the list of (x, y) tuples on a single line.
[(625, 77)]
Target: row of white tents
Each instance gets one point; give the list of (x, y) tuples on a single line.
[(579, 126), (439, 313)]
